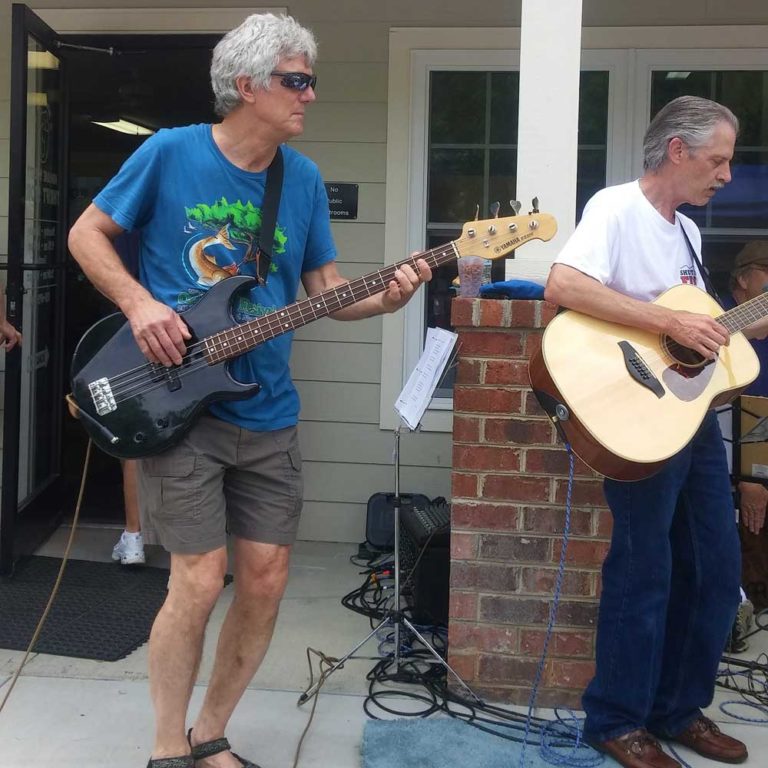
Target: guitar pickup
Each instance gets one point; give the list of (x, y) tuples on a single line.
[(101, 394), (639, 370), (172, 380)]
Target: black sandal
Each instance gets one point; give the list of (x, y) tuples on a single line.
[(185, 761), (211, 748)]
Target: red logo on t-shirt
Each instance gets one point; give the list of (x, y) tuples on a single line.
[(687, 275)]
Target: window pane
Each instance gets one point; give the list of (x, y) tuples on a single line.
[(590, 176), (505, 90), (502, 180), (744, 202), (457, 107), (455, 184), (593, 137)]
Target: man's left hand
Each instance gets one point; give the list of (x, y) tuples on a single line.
[(753, 498), (407, 280), (9, 336)]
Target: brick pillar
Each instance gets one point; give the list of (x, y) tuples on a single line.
[(509, 483)]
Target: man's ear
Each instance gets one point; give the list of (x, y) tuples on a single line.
[(676, 150), (245, 88)]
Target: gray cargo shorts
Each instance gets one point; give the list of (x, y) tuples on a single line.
[(223, 479)]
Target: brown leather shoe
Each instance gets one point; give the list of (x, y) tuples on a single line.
[(637, 749), (705, 738)]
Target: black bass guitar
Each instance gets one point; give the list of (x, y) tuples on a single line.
[(133, 408)]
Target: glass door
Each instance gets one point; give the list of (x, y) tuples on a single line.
[(31, 502)]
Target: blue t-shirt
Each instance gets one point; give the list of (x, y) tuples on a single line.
[(199, 217)]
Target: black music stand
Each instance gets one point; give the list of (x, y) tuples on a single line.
[(410, 406)]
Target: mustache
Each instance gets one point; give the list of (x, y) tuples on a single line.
[(718, 185)]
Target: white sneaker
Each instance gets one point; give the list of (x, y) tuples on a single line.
[(129, 549)]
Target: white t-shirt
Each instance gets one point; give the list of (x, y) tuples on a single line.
[(626, 244)]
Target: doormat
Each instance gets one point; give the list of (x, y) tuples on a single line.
[(441, 741), (102, 611)]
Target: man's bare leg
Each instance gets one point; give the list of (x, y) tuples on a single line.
[(131, 497), (261, 573), (176, 644)]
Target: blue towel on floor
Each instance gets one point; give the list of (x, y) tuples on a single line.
[(439, 742), (512, 289)]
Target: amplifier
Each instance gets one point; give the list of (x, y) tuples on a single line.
[(425, 561), (380, 519)]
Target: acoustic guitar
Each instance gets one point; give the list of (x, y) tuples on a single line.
[(627, 400), (133, 408)]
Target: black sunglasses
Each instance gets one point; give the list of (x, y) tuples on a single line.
[(296, 81)]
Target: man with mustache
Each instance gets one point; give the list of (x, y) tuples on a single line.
[(671, 578)]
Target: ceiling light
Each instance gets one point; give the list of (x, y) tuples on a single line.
[(677, 75), (125, 126)]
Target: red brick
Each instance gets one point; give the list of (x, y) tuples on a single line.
[(464, 546), (484, 577), (522, 314), (554, 461), (462, 311), (464, 486), (470, 371), (571, 644), (492, 313), (531, 405), (512, 670), (532, 344), (552, 520), (513, 609), (486, 458), (463, 664), (491, 639), (506, 372), (503, 517), (486, 400), (547, 311), (466, 429), (585, 493), (513, 548), (580, 552), (569, 674), (516, 488), (604, 523), (462, 605), (520, 431), (540, 580), (491, 344)]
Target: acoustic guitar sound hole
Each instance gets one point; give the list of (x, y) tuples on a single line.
[(684, 356)]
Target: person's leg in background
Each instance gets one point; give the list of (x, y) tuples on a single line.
[(129, 549)]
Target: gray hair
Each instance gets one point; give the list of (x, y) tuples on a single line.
[(688, 118), (253, 49)]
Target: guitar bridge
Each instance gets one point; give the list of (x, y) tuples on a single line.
[(639, 370), (101, 394)]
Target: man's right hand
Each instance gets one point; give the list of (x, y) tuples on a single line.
[(159, 331), (753, 498), (701, 333)]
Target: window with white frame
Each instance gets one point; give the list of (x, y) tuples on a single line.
[(459, 151)]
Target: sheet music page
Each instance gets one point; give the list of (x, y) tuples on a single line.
[(418, 390)]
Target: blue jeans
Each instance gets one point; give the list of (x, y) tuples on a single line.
[(670, 594)]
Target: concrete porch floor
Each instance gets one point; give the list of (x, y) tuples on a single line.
[(75, 713)]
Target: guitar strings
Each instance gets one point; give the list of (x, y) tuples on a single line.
[(149, 376)]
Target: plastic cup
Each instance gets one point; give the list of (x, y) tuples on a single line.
[(470, 276)]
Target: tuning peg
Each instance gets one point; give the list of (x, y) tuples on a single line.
[(494, 208), (477, 212), (515, 206), (535, 204)]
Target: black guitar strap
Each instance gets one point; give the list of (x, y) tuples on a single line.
[(266, 242), (703, 271)]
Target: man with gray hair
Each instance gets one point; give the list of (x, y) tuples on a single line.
[(196, 194), (671, 578)]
